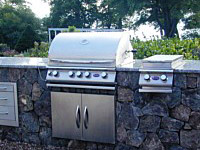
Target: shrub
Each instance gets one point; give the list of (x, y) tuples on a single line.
[(4, 47), (39, 50), (27, 39), (190, 48)]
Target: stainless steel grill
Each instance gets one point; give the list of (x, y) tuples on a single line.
[(156, 76), (81, 76)]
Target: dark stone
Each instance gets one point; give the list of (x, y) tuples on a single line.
[(139, 99), (31, 138), (121, 134), (128, 79), (36, 92), (127, 117), (25, 103), (42, 107), (180, 80), (45, 135), (175, 98), (4, 75), (137, 111), (190, 139), (152, 142), (15, 74), (187, 126), (125, 94), (194, 120), (135, 138), (118, 108), (176, 147), (105, 147), (91, 146), (24, 87), (168, 136), (74, 144), (41, 79), (12, 134), (121, 146), (192, 101), (31, 75), (45, 121), (191, 82), (171, 124), (155, 108), (149, 123), (181, 112), (29, 122)]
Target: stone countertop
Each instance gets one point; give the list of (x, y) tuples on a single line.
[(188, 66), (23, 62)]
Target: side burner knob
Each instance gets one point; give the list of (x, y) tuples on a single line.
[(104, 75), (146, 77), (55, 73), (163, 77), (87, 74), (71, 73), (79, 74)]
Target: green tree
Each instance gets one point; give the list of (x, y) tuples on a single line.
[(27, 39), (79, 13), (164, 14), (14, 19)]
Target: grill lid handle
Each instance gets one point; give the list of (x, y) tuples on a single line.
[(82, 62)]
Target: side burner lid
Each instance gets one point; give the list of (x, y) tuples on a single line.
[(162, 62)]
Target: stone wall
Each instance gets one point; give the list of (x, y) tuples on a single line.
[(143, 121), (159, 121)]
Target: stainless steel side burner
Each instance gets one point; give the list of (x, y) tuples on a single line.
[(156, 76)]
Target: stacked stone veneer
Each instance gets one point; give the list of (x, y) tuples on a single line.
[(159, 121), (143, 121)]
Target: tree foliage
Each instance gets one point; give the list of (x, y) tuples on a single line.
[(14, 18), (79, 13), (27, 39)]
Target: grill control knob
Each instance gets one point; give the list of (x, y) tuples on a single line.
[(55, 73), (71, 73), (79, 74), (146, 77), (87, 74), (50, 73), (104, 75), (163, 77)]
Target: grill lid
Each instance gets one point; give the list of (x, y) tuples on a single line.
[(91, 49)]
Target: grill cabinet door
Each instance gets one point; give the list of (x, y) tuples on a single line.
[(66, 115), (98, 118)]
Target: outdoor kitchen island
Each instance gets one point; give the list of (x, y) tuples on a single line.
[(145, 121)]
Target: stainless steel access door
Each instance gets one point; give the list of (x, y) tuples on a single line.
[(66, 115), (98, 118)]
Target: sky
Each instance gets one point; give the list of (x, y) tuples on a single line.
[(42, 9)]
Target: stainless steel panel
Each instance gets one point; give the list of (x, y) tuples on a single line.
[(159, 82), (5, 87), (7, 98), (99, 118), (63, 76), (81, 86), (7, 113), (156, 90), (162, 62), (65, 116), (90, 49)]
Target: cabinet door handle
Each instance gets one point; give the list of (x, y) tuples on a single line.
[(3, 113), (4, 99), (3, 88), (78, 116), (86, 117)]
